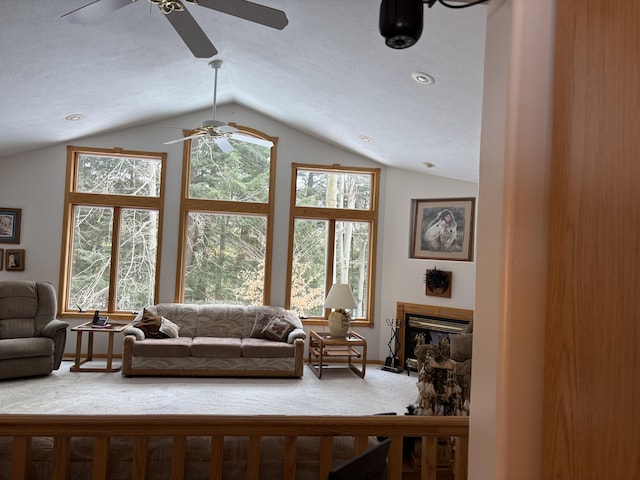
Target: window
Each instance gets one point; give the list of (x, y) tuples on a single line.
[(226, 221), (111, 236), (332, 237)]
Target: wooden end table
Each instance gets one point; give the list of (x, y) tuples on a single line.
[(322, 345), (88, 328)]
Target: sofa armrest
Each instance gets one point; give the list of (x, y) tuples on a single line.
[(50, 329), (296, 333), (57, 331)]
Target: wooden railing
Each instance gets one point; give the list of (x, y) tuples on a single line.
[(21, 428)]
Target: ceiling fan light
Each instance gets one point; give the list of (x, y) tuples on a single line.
[(401, 22)]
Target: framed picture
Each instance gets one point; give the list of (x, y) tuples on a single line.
[(14, 260), (10, 225), (443, 228), (1, 258)]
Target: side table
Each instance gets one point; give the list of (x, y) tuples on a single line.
[(323, 345), (88, 328)]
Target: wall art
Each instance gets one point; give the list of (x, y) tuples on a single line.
[(442, 229), (10, 225)]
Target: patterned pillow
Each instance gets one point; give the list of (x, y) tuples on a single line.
[(277, 329), (258, 325)]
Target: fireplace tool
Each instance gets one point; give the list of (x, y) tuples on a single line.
[(392, 363)]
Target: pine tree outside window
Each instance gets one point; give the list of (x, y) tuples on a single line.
[(226, 223), (111, 236)]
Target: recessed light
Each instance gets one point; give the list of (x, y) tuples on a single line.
[(366, 138), (74, 117), (429, 164), (423, 78)]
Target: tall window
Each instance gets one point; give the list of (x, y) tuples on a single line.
[(111, 236), (226, 221), (332, 237)]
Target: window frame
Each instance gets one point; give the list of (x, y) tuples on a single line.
[(333, 215), (222, 207), (73, 199)]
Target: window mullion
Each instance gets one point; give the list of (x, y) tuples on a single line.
[(115, 248)]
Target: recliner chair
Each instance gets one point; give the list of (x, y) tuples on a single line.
[(32, 340)]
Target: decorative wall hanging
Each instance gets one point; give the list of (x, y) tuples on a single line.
[(438, 283), (14, 260), (10, 225), (443, 228)]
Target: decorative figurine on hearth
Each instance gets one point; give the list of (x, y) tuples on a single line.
[(439, 392)]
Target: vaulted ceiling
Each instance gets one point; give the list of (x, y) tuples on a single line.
[(328, 73)]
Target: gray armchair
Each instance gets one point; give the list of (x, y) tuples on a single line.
[(31, 339)]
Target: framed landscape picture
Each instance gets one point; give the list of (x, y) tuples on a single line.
[(442, 229), (10, 225)]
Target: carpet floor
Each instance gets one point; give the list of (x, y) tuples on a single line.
[(339, 392)]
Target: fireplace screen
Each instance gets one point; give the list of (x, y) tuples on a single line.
[(428, 330)]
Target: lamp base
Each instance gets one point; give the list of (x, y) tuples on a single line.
[(339, 324)]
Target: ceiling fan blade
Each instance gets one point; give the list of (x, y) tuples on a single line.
[(183, 138), (95, 11), (253, 12), (249, 139), (191, 33), (227, 128), (224, 145)]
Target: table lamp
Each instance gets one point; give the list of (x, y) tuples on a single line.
[(341, 298)]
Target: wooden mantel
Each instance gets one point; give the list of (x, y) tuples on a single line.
[(402, 309)]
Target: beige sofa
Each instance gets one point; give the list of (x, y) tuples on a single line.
[(31, 339), (216, 340)]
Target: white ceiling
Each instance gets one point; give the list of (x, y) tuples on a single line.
[(328, 73)]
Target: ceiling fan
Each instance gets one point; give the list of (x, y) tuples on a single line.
[(220, 132), (182, 21)]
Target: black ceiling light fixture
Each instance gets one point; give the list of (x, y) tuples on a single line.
[(401, 20)]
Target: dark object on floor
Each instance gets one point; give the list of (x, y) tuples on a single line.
[(369, 465)]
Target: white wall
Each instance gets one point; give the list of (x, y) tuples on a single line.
[(35, 182), (402, 277)]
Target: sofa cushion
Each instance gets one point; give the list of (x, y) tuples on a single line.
[(163, 347), (26, 347), (262, 348), (18, 299), (277, 329), (217, 347)]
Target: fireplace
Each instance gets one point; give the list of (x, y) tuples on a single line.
[(430, 321)]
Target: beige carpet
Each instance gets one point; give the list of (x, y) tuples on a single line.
[(339, 392)]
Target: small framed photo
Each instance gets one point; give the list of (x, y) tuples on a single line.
[(442, 229), (14, 260), (10, 225)]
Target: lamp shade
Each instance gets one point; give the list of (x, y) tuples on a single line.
[(340, 296)]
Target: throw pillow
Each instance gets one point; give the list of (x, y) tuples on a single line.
[(258, 325), (277, 329), (150, 324), (169, 329)]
